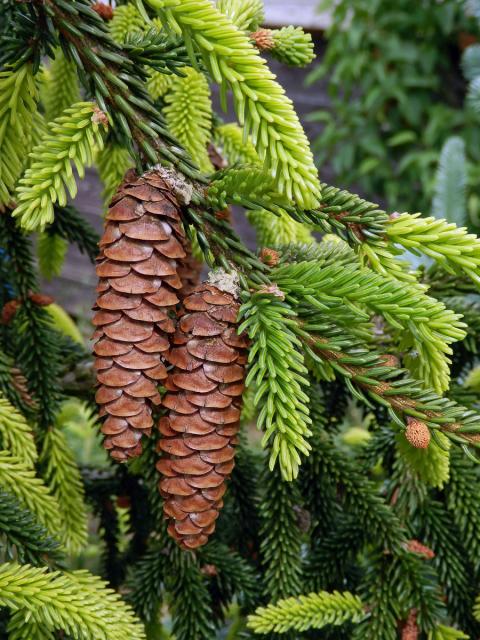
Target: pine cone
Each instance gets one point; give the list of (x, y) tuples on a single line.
[(189, 272), (137, 268), (410, 630), (204, 402)]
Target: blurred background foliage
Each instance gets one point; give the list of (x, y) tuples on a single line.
[(402, 81)]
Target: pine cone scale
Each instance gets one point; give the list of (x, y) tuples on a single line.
[(203, 401), (142, 234)]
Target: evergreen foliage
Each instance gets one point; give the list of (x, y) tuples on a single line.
[(354, 514)]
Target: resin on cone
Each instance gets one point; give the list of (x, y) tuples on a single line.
[(204, 396), (138, 285)]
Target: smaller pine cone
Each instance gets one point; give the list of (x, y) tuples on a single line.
[(415, 546), (204, 398), (269, 256), (9, 310), (417, 433), (138, 284)]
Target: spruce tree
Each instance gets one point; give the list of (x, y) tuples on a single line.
[(317, 529)]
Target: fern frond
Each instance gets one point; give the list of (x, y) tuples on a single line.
[(188, 113), (16, 435), (61, 89), (18, 103), (71, 139), (62, 476), (452, 247), (450, 201), (51, 250), (431, 465), (126, 20), (260, 102), (471, 62), (247, 15), (77, 603), (279, 374), (20, 480), (315, 611), (112, 162)]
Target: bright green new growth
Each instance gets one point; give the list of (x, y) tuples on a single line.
[(315, 611), (77, 603), (62, 476), (16, 435), (19, 478), (260, 102), (18, 103), (452, 247), (51, 250), (292, 46), (126, 20), (232, 145), (247, 15), (431, 465), (71, 139), (278, 229), (280, 379), (446, 633), (188, 114), (423, 322), (60, 89)]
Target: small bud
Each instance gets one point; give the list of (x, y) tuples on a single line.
[(41, 299), (124, 502), (99, 116), (394, 215), (414, 546), (9, 310), (105, 11), (263, 39), (417, 433), (224, 214), (269, 256)]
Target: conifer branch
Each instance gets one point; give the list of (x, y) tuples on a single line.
[(281, 538), (280, 378), (112, 162), (261, 105), (16, 435), (126, 20), (450, 246), (430, 465), (19, 479), (62, 476), (427, 326), (51, 250), (188, 114), (77, 603), (70, 225), (23, 535), (18, 103), (315, 611), (60, 89), (71, 139)]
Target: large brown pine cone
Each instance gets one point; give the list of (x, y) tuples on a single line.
[(138, 283), (204, 399), (189, 272)]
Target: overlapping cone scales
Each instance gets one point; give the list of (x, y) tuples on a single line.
[(138, 285), (204, 399)]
